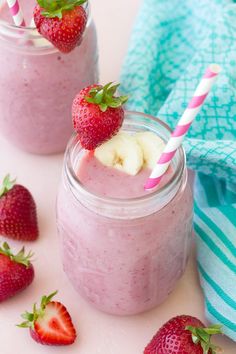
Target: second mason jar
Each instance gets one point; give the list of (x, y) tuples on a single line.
[(125, 255), (38, 83)]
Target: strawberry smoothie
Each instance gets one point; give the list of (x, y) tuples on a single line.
[(117, 180), (123, 248), (38, 83)]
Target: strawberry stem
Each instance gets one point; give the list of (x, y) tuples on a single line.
[(46, 299), (202, 336), (31, 317), (103, 96), (20, 257), (7, 184), (54, 8)]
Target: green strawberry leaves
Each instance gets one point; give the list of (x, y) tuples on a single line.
[(103, 96), (20, 257), (46, 299), (7, 184), (54, 8), (202, 336), (31, 317)]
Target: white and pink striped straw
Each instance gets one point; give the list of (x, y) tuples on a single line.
[(183, 126), (16, 12)]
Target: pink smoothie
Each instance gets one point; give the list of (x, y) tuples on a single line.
[(37, 86), (109, 182), (122, 265)]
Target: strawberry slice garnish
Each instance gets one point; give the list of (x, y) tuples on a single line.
[(51, 324), (62, 22), (16, 271), (184, 335), (97, 114), (18, 218)]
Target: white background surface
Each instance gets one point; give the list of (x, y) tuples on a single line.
[(98, 333)]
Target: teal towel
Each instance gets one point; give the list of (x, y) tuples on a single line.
[(172, 44)]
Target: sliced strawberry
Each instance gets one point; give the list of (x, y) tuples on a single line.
[(18, 219), (16, 272), (97, 114), (62, 22), (51, 324)]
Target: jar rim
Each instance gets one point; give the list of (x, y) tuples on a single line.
[(176, 177)]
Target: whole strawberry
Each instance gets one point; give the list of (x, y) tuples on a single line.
[(97, 114), (51, 324), (16, 272), (183, 335), (62, 22), (18, 218)]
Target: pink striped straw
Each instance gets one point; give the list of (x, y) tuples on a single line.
[(183, 126), (16, 12)]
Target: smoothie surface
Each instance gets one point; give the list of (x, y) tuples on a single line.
[(110, 182)]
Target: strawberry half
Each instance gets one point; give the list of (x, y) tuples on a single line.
[(97, 114), (62, 22), (16, 272), (18, 218), (183, 335), (51, 324)]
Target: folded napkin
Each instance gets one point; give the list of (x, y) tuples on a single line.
[(172, 44)]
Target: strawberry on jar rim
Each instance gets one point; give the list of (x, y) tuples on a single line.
[(97, 114), (50, 324), (16, 271), (18, 219), (184, 335), (61, 22)]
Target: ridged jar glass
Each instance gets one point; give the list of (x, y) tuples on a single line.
[(38, 84), (125, 255)]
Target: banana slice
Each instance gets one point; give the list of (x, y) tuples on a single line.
[(152, 147), (121, 152)]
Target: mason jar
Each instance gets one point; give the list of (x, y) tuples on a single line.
[(38, 84), (125, 255)]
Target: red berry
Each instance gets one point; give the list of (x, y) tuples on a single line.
[(18, 218), (51, 324), (65, 30), (16, 272), (97, 115), (174, 338)]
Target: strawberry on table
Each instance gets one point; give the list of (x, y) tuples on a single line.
[(183, 335), (50, 324), (18, 218), (16, 271), (97, 114), (62, 22)]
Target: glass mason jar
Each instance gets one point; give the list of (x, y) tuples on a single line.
[(125, 255), (38, 84)]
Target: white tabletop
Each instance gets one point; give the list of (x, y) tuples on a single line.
[(98, 333)]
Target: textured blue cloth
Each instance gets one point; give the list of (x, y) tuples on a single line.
[(172, 44)]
